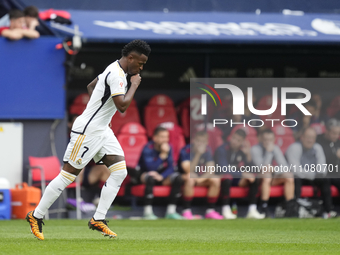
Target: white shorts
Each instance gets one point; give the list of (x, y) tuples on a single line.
[(82, 148)]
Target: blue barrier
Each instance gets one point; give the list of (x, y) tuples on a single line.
[(32, 79)]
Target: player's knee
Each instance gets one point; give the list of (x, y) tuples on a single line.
[(149, 180), (120, 174), (177, 179), (266, 181)]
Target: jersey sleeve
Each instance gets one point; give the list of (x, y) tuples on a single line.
[(116, 83)]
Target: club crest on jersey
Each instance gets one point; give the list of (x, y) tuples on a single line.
[(78, 162)]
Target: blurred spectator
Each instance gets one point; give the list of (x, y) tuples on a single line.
[(17, 28), (331, 147), (303, 155), (201, 156), (304, 121), (237, 153), (157, 167), (92, 178), (266, 153), (31, 17)]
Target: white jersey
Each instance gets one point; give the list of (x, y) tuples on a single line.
[(100, 109)]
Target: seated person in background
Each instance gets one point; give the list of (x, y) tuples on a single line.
[(307, 153), (93, 177), (331, 147), (201, 156), (31, 17), (264, 154), (17, 28), (237, 153), (157, 167)]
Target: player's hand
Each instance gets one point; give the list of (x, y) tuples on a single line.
[(201, 149), (136, 79), (269, 147), (165, 147), (338, 153), (159, 177)]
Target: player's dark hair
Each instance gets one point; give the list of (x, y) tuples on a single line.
[(139, 46), (31, 11), (158, 130), (266, 131), (15, 14), (241, 133)]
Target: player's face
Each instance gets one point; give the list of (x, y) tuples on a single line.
[(333, 134), (18, 23), (200, 141), (308, 139), (161, 137), (136, 63), (236, 141), (268, 139)]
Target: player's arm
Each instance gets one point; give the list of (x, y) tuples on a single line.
[(32, 34), (122, 102), (12, 34), (91, 86)]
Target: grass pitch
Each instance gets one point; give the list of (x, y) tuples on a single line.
[(241, 236)]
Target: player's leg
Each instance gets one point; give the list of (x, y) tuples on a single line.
[(225, 194), (250, 180), (112, 155), (214, 186), (76, 159), (287, 180), (188, 194), (175, 181), (149, 182), (265, 193)]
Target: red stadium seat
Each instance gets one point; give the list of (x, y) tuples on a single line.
[(79, 104), (132, 145), (282, 131), (155, 115), (235, 192), (133, 128), (334, 107), (176, 138), (42, 170), (120, 119), (161, 100)]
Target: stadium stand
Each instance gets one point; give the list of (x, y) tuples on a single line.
[(120, 119), (235, 192), (283, 137), (132, 138), (42, 170), (79, 104), (154, 115), (265, 103), (334, 107)]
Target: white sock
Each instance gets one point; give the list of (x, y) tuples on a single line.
[(52, 192), (171, 209), (252, 207), (225, 209), (187, 210), (209, 210), (110, 189), (148, 210)]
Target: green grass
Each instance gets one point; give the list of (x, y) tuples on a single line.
[(272, 236)]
